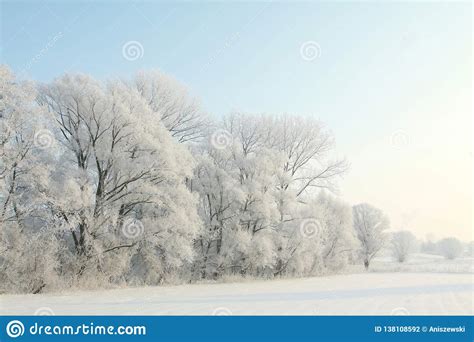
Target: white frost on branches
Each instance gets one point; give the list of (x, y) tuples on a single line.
[(128, 182)]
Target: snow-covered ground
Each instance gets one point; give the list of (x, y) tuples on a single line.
[(420, 262), (351, 294), (424, 285)]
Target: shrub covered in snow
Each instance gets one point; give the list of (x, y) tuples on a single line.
[(403, 243), (450, 248)]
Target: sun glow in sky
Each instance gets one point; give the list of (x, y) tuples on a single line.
[(393, 81)]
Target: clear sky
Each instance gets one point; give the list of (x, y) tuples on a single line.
[(393, 81)]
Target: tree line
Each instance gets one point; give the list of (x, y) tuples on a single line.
[(129, 182)]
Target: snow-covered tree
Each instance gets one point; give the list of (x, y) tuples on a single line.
[(170, 101), (450, 248), (255, 187), (470, 249), (236, 203), (128, 176), (403, 243), (369, 224), (326, 235), (428, 245), (219, 201), (27, 250)]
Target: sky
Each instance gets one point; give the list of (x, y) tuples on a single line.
[(391, 80)]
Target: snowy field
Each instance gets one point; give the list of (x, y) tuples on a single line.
[(420, 262), (352, 294)]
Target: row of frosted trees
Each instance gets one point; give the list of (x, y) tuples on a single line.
[(128, 182)]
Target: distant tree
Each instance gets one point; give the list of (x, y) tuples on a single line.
[(369, 224), (450, 248), (403, 243), (428, 246), (470, 249)]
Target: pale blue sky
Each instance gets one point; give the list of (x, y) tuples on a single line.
[(384, 68)]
